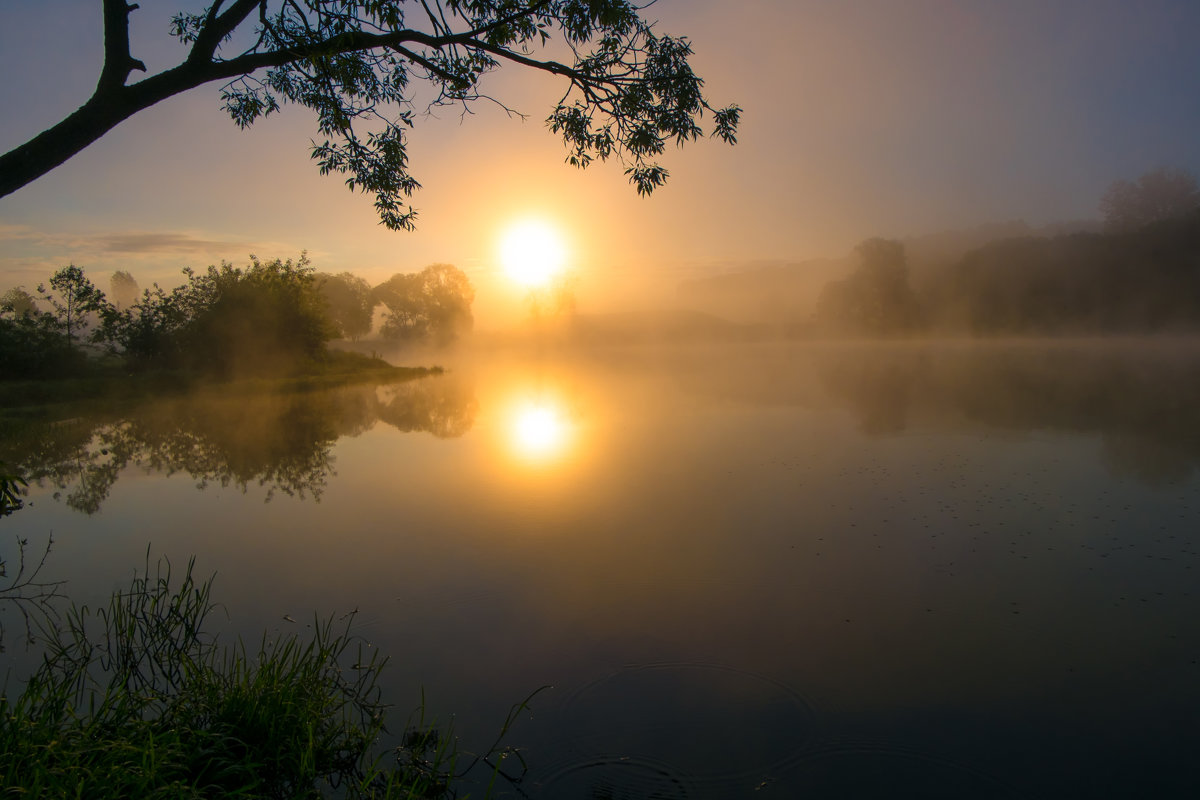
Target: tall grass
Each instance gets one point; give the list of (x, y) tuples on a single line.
[(137, 700)]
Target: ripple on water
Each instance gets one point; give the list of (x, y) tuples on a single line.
[(705, 725), (616, 777), (855, 770)]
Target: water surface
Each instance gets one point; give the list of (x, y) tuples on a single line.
[(941, 570)]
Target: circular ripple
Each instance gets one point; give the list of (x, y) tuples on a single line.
[(617, 778), (712, 723)]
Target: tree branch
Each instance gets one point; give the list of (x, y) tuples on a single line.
[(115, 102), (354, 41), (216, 28), (118, 62), (344, 64)]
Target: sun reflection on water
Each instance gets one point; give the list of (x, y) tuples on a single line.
[(540, 430)]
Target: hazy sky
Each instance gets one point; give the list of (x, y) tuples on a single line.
[(861, 118)]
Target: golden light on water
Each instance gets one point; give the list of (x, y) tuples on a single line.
[(540, 431), (532, 253)]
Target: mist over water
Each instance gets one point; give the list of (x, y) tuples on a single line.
[(746, 569), (862, 460)]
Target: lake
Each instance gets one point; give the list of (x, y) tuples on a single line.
[(760, 570)]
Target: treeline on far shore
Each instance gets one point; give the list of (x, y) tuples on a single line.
[(1137, 272), (268, 318), (1143, 281)]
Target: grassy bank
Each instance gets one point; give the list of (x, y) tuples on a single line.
[(139, 700)]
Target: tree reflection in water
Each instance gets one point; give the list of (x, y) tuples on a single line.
[(281, 441), (1140, 400)]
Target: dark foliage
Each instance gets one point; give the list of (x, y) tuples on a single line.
[(32, 346), (358, 65), (138, 699), (266, 319), (1145, 281), (11, 487), (73, 297)]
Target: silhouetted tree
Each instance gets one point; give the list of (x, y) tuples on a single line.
[(266, 318), (149, 332), (124, 289), (31, 341), (348, 301), (18, 302), (73, 297), (431, 305), (356, 63), (1158, 195), (876, 298)]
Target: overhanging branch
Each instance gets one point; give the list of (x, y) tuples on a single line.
[(347, 59), (118, 62), (217, 27)]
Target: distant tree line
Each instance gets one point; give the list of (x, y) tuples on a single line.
[(270, 317), (1140, 274), (876, 299)]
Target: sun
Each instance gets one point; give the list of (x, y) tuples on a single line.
[(532, 253)]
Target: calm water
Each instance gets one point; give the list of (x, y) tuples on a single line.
[(754, 571)]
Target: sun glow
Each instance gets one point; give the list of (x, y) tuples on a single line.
[(532, 253), (540, 431)]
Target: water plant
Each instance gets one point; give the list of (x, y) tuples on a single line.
[(11, 486), (137, 700), (33, 596)]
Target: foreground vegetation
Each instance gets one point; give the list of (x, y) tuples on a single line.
[(138, 700)]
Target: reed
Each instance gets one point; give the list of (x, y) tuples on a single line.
[(137, 700)]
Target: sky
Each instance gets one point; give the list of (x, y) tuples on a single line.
[(861, 118)]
